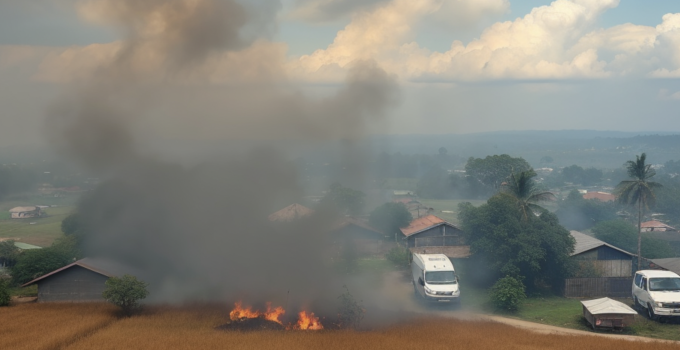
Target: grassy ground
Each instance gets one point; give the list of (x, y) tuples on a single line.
[(38, 231), (93, 326), (568, 313), (448, 205)]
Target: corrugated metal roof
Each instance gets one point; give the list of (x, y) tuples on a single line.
[(23, 209), (104, 267), (670, 264), (291, 213), (607, 306), (601, 196), (424, 223), (585, 243)]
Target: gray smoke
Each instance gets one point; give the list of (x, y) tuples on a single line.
[(201, 231)]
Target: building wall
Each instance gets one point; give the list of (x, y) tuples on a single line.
[(75, 284), (433, 237), (605, 262)]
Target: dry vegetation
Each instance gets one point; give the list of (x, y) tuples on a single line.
[(51, 326), (79, 326)]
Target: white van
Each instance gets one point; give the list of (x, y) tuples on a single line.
[(658, 292), (434, 278)]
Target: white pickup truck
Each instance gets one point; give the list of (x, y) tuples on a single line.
[(658, 292)]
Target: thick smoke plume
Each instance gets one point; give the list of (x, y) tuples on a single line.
[(201, 231)]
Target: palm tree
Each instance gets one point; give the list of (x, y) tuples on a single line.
[(526, 193), (638, 190)]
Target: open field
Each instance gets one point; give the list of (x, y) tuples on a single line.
[(38, 231), (449, 205), (93, 326), (50, 326)]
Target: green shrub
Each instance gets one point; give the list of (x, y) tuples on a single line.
[(125, 292), (400, 256), (507, 294), (4, 292), (350, 312)]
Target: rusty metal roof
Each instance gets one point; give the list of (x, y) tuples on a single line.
[(291, 213), (657, 224), (424, 223)]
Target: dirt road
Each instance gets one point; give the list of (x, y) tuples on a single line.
[(397, 292)]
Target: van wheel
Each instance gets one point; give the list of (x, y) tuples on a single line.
[(636, 304), (650, 312), (415, 292)]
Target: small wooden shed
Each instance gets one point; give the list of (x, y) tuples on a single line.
[(605, 313)]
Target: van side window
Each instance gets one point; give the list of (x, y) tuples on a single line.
[(638, 280), (644, 284)]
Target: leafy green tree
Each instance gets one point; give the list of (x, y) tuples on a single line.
[(345, 200), (526, 194), (507, 294), (577, 175), (390, 217), (5, 296), (9, 253), (535, 251), (125, 292), (576, 213), (621, 234), (34, 263), (638, 190), (494, 170)]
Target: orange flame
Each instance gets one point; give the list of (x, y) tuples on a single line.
[(239, 313), (307, 321)]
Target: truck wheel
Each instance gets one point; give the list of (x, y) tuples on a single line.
[(650, 312)]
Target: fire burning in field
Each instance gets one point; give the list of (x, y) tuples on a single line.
[(306, 320)]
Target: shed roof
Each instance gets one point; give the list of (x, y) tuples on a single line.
[(23, 209), (607, 306), (601, 196), (657, 224), (290, 213), (585, 243), (421, 224), (670, 264), (104, 267)]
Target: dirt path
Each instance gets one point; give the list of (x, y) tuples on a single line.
[(398, 290)]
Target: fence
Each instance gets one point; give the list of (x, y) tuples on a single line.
[(614, 287)]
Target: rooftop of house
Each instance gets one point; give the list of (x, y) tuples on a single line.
[(601, 196), (108, 268), (585, 243), (657, 224), (421, 224), (291, 213)]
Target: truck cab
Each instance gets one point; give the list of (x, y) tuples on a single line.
[(434, 278), (657, 292)]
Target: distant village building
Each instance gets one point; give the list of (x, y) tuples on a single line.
[(656, 226), (600, 196), (81, 281), (358, 235), (25, 212), (431, 234), (291, 213)]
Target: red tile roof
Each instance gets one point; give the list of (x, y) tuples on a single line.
[(601, 196), (422, 224)]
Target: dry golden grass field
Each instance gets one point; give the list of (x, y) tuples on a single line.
[(94, 326)]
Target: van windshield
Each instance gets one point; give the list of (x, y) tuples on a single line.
[(664, 284), (440, 277)]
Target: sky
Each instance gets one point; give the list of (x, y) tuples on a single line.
[(461, 66)]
